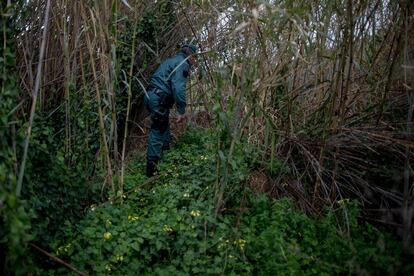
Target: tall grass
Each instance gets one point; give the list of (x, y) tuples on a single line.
[(324, 86), (320, 84), (82, 73)]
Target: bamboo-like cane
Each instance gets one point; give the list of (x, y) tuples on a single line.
[(34, 100), (100, 112), (131, 67)]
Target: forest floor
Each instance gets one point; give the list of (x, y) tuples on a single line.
[(168, 225)]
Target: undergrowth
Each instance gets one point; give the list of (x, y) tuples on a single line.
[(168, 227)]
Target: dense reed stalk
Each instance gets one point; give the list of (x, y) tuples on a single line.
[(128, 109), (34, 100), (322, 89), (323, 82)]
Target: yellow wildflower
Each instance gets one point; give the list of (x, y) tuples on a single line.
[(133, 217), (241, 243), (195, 213), (343, 201), (107, 235), (166, 228), (63, 249)]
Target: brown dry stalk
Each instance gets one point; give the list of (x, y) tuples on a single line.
[(56, 259), (98, 97), (124, 143)]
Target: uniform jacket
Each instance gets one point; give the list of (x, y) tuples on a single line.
[(171, 77)]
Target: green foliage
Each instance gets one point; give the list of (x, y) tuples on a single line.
[(54, 184), (55, 189), (169, 227), (14, 220), (298, 244), (65, 148), (8, 103), (14, 235)]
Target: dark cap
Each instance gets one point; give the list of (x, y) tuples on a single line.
[(192, 47)]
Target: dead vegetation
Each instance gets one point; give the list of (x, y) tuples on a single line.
[(325, 87)]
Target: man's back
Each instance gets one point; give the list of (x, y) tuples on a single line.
[(164, 74)]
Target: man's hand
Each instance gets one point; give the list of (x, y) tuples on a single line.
[(181, 118)]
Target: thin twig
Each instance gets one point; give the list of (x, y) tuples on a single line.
[(74, 269)]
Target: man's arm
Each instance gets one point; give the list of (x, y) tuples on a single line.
[(178, 83)]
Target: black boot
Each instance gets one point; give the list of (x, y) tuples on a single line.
[(151, 168), (165, 147)]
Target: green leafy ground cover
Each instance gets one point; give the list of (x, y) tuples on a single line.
[(168, 227)]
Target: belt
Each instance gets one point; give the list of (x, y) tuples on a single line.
[(156, 90)]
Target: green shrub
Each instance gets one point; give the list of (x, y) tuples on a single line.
[(169, 227)]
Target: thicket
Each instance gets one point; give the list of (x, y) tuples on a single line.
[(169, 226), (321, 90), (70, 106), (323, 86)]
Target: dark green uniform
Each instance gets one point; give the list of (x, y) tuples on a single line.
[(167, 87)]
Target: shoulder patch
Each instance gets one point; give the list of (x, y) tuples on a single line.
[(185, 74)]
